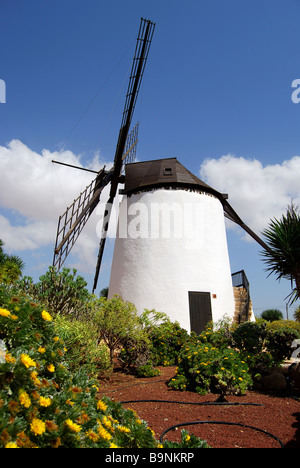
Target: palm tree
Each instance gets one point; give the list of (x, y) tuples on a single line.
[(283, 256), (11, 266)]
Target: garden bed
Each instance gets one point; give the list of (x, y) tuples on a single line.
[(273, 412)]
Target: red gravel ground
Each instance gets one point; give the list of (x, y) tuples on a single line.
[(279, 415)]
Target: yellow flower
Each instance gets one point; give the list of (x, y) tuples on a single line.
[(104, 433), (24, 399), (9, 358), (14, 317), (188, 437), (92, 435), (73, 426), (56, 339), (46, 316), (101, 405), (107, 423), (240, 378), (38, 426), (113, 445), (27, 361), (123, 429), (45, 401), (4, 312), (11, 445), (33, 375), (51, 368), (70, 402), (41, 350)]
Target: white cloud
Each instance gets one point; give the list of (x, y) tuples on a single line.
[(34, 192), (38, 190), (256, 192)]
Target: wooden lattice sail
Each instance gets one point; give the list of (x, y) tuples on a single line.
[(73, 220)]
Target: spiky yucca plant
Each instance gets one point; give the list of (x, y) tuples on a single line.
[(283, 258)]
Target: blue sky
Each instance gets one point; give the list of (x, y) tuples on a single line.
[(216, 94)]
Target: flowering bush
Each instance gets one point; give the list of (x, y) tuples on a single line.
[(147, 371), (43, 404), (166, 342), (205, 368)]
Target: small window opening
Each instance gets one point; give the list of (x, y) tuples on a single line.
[(168, 171)]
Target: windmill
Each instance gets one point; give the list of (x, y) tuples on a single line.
[(73, 220), (189, 281)]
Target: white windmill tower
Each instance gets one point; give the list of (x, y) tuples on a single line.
[(171, 250)]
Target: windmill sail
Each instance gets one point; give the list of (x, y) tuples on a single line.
[(129, 153), (139, 61), (233, 216), (73, 220)]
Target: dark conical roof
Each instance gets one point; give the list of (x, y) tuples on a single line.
[(168, 172)]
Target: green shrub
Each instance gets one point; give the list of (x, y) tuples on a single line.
[(279, 343), (220, 338), (43, 404), (187, 441), (204, 368), (161, 348), (166, 342), (283, 324), (249, 337), (62, 293), (84, 350), (135, 354), (116, 322), (147, 371)]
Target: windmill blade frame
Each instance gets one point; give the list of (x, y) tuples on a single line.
[(129, 153), (144, 40), (73, 220), (233, 216)]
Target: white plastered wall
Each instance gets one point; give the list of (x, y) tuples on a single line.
[(171, 242)]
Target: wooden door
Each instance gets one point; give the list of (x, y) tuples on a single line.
[(200, 310)]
